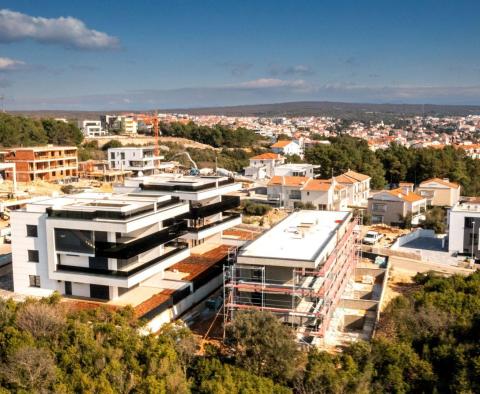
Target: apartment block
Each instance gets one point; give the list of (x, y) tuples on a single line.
[(358, 187), (92, 128), (139, 160), (48, 163), (147, 246), (297, 270)]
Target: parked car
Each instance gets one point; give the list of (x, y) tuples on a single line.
[(372, 237)]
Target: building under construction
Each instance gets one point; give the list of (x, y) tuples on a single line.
[(297, 270)]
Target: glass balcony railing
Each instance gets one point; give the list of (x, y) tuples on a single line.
[(177, 248), (130, 249), (229, 216), (228, 202)]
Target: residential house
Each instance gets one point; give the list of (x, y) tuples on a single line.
[(358, 187), (296, 169), (393, 206), (262, 166), (439, 192), (284, 147), (292, 191), (92, 128)]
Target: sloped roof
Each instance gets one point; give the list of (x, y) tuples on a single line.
[(281, 144), (266, 156), (288, 180), (357, 176), (410, 197), (316, 185), (443, 182)]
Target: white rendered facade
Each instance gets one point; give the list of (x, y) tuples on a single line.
[(464, 229), (92, 128), (140, 160)]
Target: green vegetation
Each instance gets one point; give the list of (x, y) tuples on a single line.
[(251, 208), (300, 205), (22, 131), (344, 153), (427, 342), (435, 220), (217, 136)]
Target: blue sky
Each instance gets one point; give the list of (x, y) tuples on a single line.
[(121, 54)]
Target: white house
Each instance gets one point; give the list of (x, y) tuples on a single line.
[(296, 169), (287, 148), (262, 166), (140, 160), (464, 229), (92, 128)]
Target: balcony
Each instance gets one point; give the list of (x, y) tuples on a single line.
[(177, 248), (228, 202), (134, 248), (231, 219), (103, 214)]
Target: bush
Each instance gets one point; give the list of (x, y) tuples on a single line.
[(251, 208)]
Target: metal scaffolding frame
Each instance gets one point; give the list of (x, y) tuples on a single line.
[(315, 293)]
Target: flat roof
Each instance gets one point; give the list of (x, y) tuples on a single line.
[(300, 236), (97, 201), (42, 148), (467, 206), (298, 165)]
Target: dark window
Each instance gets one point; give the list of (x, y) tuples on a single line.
[(100, 292), (32, 230), (98, 262), (469, 222), (33, 256), (68, 288), (112, 155), (122, 156), (79, 241), (34, 280)]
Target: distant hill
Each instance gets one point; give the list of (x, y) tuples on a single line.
[(335, 109), (355, 111)]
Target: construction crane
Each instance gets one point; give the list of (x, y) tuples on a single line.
[(194, 169), (156, 132)]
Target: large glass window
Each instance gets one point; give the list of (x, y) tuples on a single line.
[(77, 241), (32, 230)]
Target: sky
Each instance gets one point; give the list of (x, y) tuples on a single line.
[(159, 54)]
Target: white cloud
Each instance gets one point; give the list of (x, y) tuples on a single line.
[(8, 64), (269, 83), (67, 31)]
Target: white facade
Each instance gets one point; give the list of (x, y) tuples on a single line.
[(92, 128), (140, 160), (263, 166), (299, 169), (115, 246), (464, 229)]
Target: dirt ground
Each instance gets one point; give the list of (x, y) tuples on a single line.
[(42, 188), (268, 220), (390, 233)]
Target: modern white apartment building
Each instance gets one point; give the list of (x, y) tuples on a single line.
[(92, 128), (207, 197), (140, 160), (127, 248), (464, 229)]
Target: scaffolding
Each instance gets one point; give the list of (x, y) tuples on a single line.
[(308, 300)]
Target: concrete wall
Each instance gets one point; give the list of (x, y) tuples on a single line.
[(419, 233)]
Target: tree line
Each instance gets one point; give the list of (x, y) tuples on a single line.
[(216, 136), (23, 131), (427, 342)]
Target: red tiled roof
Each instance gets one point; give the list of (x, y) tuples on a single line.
[(266, 156), (281, 144)]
